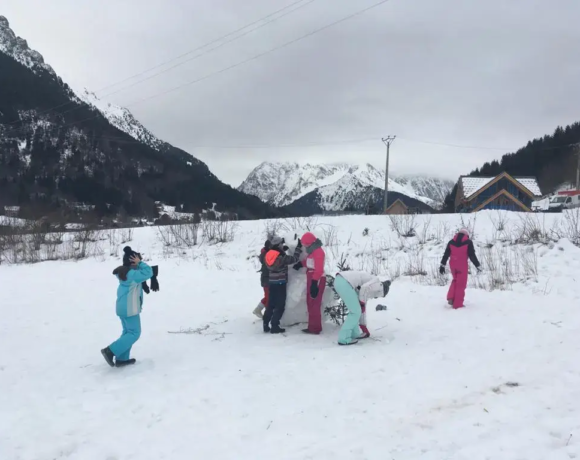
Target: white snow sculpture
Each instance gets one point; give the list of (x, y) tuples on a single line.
[(296, 309)]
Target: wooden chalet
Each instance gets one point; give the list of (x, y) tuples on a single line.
[(502, 192)]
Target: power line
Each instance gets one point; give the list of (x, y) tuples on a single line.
[(307, 144), (199, 48), (210, 50), (260, 55), (245, 61), (456, 145)]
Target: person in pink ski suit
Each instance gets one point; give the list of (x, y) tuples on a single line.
[(315, 279), (459, 251)]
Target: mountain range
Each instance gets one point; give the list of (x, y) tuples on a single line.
[(304, 189), (58, 147)]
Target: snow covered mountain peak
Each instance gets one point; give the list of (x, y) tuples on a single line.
[(281, 184), (17, 48), (122, 119)]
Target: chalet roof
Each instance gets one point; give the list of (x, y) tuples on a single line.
[(398, 200), (471, 185)]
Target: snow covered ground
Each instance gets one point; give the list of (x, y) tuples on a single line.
[(497, 380)]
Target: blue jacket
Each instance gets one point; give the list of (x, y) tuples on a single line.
[(130, 292)]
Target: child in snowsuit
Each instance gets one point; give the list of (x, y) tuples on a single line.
[(356, 289), (459, 250), (277, 262), (129, 305), (315, 280), (263, 280)]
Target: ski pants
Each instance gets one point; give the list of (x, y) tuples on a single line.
[(315, 306), (276, 305), (264, 301), (121, 348), (456, 294), (350, 330)]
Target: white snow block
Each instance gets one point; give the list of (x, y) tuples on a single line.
[(296, 309)]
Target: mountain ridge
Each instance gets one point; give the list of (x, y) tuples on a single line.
[(337, 186), (57, 147)]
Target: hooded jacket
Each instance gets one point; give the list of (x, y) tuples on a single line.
[(277, 262), (459, 250), (315, 260), (366, 285), (130, 291)]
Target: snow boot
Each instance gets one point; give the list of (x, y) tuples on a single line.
[(108, 355), (128, 362), (266, 328), (258, 311), (308, 331), (277, 330), (365, 335), (450, 302), (353, 342)]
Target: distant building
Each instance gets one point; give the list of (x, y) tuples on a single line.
[(501, 192), (11, 211), (397, 208)]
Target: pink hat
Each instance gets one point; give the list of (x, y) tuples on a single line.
[(465, 232), (308, 239)]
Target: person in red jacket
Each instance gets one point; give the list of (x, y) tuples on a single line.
[(316, 281), (459, 251)]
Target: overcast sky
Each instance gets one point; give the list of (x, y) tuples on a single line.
[(486, 74)]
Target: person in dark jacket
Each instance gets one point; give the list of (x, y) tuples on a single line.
[(258, 311), (459, 251), (278, 262)]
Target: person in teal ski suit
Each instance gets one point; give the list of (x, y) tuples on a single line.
[(129, 306), (355, 288)]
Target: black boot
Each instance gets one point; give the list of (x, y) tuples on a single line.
[(266, 327), (108, 355), (119, 363), (277, 330)]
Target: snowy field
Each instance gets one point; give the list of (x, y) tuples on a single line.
[(497, 380)]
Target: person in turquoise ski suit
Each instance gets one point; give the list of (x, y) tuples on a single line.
[(129, 306), (356, 288)]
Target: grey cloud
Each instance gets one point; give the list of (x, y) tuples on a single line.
[(487, 74)]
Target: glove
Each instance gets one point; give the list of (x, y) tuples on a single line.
[(154, 284), (145, 287), (442, 269), (297, 266), (314, 289), (285, 248), (299, 245)]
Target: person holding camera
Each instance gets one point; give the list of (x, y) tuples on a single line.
[(132, 275)]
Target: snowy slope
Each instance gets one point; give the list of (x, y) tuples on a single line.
[(281, 184), (433, 188), (18, 49), (122, 119), (498, 380)]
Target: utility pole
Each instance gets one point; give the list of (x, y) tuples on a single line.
[(387, 141), (578, 167)]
